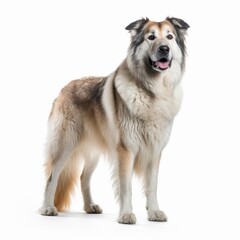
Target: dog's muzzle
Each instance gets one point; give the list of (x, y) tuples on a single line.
[(163, 61)]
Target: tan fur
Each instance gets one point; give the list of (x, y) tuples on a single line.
[(126, 116), (66, 183)]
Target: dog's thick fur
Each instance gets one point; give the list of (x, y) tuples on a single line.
[(126, 116)]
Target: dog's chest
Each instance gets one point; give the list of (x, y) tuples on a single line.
[(146, 134), (162, 107), (149, 119)]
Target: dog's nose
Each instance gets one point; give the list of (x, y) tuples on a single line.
[(164, 49)]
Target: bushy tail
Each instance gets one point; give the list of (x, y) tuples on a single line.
[(67, 180)]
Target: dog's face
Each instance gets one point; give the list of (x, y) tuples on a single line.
[(158, 43)]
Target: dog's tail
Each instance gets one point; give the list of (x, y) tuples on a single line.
[(66, 184)]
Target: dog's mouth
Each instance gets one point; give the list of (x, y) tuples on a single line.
[(161, 64)]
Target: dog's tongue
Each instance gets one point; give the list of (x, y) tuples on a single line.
[(162, 64)]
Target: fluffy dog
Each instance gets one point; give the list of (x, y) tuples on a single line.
[(126, 116)]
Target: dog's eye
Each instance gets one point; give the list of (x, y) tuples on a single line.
[(151, 37), (169, 36)]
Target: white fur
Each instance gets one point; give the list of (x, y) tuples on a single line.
[(132, 141), (108, 104)]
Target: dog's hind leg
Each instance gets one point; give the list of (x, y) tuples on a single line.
[(62, 141), (49, 208), (89, 167)]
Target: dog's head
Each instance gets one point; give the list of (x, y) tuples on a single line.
[(158, 43)]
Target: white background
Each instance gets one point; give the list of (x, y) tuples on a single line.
[(45, 44)]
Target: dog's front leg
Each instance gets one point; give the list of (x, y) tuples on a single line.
[(151, 178), (125, 172)]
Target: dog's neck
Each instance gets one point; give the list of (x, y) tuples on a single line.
[(150, 82)]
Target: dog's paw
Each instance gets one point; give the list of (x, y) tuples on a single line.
[(93, 208), (157, 216), (127, 218), (49, 211)]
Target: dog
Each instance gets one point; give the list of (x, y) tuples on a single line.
[(126, 116)]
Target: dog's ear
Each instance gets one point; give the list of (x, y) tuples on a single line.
[(179, 24), (136, 26), (180, 27)]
